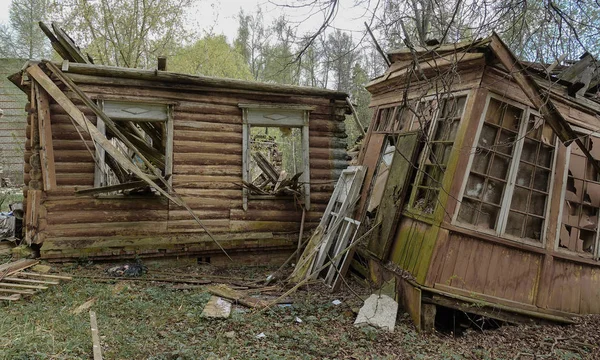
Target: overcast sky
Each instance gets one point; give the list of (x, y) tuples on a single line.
[(220, 17)]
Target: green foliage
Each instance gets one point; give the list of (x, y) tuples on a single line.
[(211, 56), (125, 33), (23, 38)]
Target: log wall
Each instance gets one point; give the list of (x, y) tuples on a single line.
[(207, 173)]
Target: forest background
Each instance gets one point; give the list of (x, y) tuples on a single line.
[(317, 43)]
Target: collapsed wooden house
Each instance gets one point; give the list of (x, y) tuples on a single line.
[(482, 172), (123, 162)]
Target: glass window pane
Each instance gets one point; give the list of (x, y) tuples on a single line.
[(500, 166), (514, 225)]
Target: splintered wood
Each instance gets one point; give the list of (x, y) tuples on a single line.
[(16, 282)]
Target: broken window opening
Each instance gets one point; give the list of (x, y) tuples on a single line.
[(579, 224), (275, 152), (146, 127), (510, 147), (439, 143), (276, 161)]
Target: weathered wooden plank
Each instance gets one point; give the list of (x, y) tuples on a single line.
[(46, 144), (97, 350)]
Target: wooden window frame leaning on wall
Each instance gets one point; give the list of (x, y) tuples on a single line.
[(580, 201), (282, 116), (146, 123), (501, 199)]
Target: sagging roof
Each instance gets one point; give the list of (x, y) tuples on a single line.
[(182, 80), (580, 78), (83, 64)]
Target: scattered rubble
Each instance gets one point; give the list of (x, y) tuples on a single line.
[(379, 311), (216, 308)]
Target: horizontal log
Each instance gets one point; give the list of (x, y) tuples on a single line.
[(274, 226), (210, 224), (73, 156), (206, 126), (57, 109), (203, 108), (222, 137), (202, 215), (225, 170), (77, 179), (150, 77), (103, 229), (56, 204), (206, 159), (185, 118), (207, 202), (180, 146), (75, 167), (131, 93), (109, 218), (206, 182), (73, 144), (225, 239), (223, 194), (273, 215), (64, 119)]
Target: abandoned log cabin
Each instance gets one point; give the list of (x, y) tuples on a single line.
[(482, 171), (243, 163)]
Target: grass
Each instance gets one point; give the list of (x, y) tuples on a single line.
[(147, 320)]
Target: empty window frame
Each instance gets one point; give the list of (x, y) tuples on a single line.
[(149, 127), (507, 190), (394, 119), (267, 129), (578, 230), (439, 142)]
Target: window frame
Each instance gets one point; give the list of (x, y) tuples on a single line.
[(249, 119), (427, 149), (563, 193), (505, 203), (116, 113)]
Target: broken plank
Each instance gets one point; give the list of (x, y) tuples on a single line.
[(13, 297), (17, 266), (111, 188), (15, 291), (95, 337), (46, 145), (31, 281), (40, 76), (59, 277), (22, 286)]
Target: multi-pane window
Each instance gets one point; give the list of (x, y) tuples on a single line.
[(508, 184), (392, 120), (532, 186), (579, 225), (438, 147)]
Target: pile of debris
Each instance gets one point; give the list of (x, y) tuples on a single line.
[(271, 181), (16, 281)]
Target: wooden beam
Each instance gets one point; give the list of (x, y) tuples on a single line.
[(54, 42), (22, 286), (67, 44), (46, 146), (32, 216), (47, 276), (95, 337), (31, 281)]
